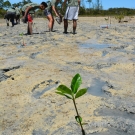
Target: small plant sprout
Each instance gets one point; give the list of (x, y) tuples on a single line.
[(21, 34), (119, 18), (73, 93), (106, 19)]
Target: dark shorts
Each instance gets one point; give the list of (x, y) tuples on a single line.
[(10, 16), (47, 12)]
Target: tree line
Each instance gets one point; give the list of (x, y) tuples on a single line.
[(94, 8)]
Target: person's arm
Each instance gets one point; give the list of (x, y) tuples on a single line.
[(79, 3), (55, 11), (26, 11), (63, 4)]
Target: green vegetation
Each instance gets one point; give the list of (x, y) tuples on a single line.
[(119, 18), (95, 9), (73, 93), (2, 13), (109, 12), (4, 5)]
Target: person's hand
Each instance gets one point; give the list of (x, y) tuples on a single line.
[(24, 19), (61, 18), (79, 11)]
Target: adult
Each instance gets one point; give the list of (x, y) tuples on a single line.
[(27, 17), (71, 14), (17, 15), (10, 15), (52, 6)]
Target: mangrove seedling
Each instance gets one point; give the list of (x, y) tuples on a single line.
[(119, 18), (107, 19), (21, 34), (73, 93)]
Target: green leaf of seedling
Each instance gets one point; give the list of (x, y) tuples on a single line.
[(64, 95), (68, 96), (80, 93), (76, 82), (60, 93), (77, 119), (64, 89), (21, 34)]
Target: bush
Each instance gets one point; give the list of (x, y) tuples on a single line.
[(2, 13)]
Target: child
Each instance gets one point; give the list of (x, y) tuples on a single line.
[(48, 13), (26, 9)]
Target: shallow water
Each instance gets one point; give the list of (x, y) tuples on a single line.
[(95, 46), (96, 88)]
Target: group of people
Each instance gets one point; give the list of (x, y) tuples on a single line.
[(71, 13)]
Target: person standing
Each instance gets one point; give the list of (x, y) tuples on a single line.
[(52, 5), (71, 14), (27, 17), (17, 15)]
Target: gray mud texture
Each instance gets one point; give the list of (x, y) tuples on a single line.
[(30, 74)]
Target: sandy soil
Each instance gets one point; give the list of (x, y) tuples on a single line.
[(29, 76)]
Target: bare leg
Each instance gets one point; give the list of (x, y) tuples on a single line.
[(7, 21), (65, 25), (51, 22), (74, 26), (12, 20), (29, 28)]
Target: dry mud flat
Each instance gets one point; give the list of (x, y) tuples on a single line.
[(29, 75)]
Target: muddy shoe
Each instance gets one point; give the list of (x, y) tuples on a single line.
[(74, 33)]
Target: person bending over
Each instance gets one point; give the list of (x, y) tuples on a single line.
[(52, 5), (27, 17), (17, 15), (71, 14), (10, 15)]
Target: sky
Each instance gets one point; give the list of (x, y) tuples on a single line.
[(105, 3), (115, 3)]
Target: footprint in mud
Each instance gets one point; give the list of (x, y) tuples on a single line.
[(40, 132), (33, 55), (20, 46), (114, 113), (74, 63), (104, 53), (111, 131), (96, 88), (122, 123), (44, 86), (2, 76), (2, 71), (11, 68), (101, 88), (101, 65)]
